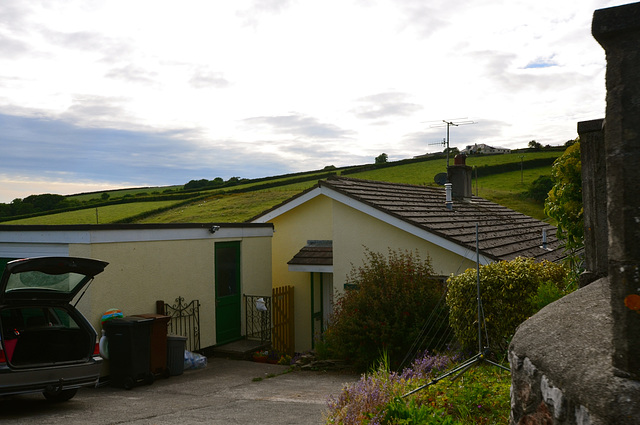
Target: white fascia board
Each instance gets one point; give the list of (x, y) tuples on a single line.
[(45, 236), (310, 268), (146, 235), (129, 235), (26, 250), (403, 225), (288, 206)]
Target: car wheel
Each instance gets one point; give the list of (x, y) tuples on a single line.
[(60, 396)]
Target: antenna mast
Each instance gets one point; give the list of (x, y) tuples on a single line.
[(448, 123)]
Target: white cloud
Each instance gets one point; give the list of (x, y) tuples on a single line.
[(287, 84)]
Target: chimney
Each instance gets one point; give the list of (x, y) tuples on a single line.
[(459, 174)]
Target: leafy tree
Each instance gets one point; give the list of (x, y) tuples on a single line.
[(535, 145), (382, 158), (393, 297), (45, 202), (196, 184), (564, 203)]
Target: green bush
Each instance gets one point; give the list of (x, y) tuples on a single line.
[(539, 189), (509, 293), (391, 300)]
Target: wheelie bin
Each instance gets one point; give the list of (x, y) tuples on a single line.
[(175, 354), (129, 340), (158, 353)]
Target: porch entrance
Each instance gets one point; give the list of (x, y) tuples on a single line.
[(321, 303), (228, 295)]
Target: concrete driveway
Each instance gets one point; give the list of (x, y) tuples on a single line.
[(225, 392)]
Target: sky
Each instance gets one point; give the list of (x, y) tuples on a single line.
[(98, 95)]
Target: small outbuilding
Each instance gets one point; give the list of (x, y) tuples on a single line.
[(216, 264)]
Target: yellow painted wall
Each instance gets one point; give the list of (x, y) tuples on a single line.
[(354, 230), (310, 221), (139, 273)]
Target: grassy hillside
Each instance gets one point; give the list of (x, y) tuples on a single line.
[(497, 181), (102, 215), (231, 208)]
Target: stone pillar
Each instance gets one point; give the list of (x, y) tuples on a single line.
[(617, 29), (594, 199)]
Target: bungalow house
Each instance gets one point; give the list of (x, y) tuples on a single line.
[(322, 233), (213, 263), (484, 149)]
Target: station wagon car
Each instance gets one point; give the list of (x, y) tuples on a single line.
[(46, 344)]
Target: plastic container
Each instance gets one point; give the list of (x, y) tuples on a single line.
[(129, 351), (176, 345), (158, 354)]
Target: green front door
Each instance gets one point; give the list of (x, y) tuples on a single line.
[(228, 297)]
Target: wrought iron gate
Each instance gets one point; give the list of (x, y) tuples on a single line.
[(185, 321)]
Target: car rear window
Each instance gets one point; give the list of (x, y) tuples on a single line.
[(62, 283)]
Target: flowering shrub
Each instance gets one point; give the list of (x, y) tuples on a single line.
[(511, 291), (479, 396), (392, 299)]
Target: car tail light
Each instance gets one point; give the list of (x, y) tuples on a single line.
[(96, 349), (3, 358)]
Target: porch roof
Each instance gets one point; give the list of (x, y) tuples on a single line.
[(316, 256)]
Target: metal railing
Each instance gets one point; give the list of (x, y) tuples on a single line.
[(258, 318)]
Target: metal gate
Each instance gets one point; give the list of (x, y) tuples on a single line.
[(258, 318), (185, 320)]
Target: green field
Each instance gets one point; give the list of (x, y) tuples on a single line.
[(100, 215), (243, 201), (231, 208)]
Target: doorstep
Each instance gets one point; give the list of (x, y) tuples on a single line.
[(241, 349)]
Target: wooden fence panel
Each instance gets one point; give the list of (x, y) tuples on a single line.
[(283, 339)]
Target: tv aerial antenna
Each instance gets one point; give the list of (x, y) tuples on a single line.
[(483, 350), (448, 123)]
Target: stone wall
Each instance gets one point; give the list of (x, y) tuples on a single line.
[(577, 361)]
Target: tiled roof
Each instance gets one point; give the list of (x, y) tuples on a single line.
[(314, 254), (503, 234)]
